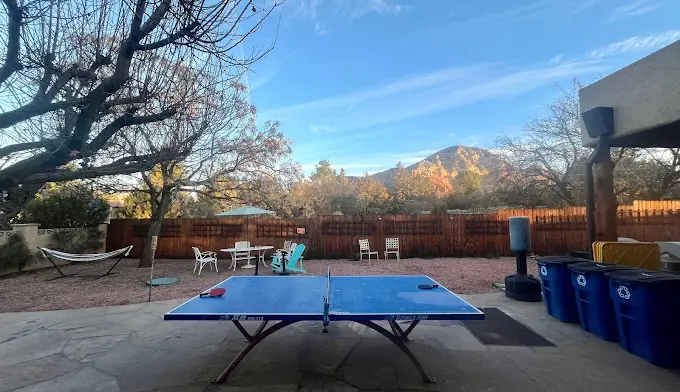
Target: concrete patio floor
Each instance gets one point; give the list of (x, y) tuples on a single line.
[(130, 348)]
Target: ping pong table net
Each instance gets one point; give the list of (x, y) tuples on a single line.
[(327, 300)]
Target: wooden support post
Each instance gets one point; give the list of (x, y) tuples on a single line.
[(605, 198)]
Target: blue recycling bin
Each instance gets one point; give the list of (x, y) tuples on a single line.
[(646, 306), (595, 307), (558, 294)]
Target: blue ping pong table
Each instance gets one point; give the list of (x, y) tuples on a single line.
[(362, 299)]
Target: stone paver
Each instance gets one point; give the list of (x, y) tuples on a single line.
[(130, 348), (31, 347), (83, 380), (36, 371)]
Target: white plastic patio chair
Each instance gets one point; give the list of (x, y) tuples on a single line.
[(286, 246), (203, 258), (365, 250), (284, 254), (391, 247), (290, 250), (237, 256)]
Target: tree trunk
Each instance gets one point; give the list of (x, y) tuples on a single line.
[(154, 228), (15, 202), (605, 198)]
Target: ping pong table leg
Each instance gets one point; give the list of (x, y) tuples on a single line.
[(396, 329), (398, 340), (253, 340)]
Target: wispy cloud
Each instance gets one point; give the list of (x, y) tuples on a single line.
[(636, 44), (635, 8), (325, 146), (352, 169), (320, 29), (303, 8), (556, 59), (583, 6), (269, 70), (320, 128), (356, 166), (364, 7), (317, 10), (533, 10), (429, 93), (472, 140), (523, 12), (258, 80)]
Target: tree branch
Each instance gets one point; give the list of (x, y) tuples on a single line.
[(122, 166), (155, 18), (4, 151), (143, 98), (140, 6), (31, 110), (124, 121), (171, 39), (62, 80), (15, 17)]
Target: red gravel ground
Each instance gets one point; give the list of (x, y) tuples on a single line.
[(31, 291)]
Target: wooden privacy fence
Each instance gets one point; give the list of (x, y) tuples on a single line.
[(553, 231)]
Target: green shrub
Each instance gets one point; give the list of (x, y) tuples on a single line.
[(66, 205), (77, 241), (15, 255)]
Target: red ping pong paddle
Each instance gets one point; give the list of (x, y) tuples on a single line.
[(218, 292)]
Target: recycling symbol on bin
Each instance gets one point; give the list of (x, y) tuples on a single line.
[(544, 271), (623, 292), (581, 280)]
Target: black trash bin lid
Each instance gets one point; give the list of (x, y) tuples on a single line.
[(591, 266), (560, 260), (644, 276)]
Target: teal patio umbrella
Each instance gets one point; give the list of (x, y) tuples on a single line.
[(246, 211)]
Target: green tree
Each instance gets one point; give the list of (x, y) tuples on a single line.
[(324, 172), (411, 186), (325, 191), (432, 180), (468, 183), (374, 196), (69, 204), (137, 202)]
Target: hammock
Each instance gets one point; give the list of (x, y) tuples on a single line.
[(120, 253)]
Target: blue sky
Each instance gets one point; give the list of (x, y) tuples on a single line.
[(368, 83)]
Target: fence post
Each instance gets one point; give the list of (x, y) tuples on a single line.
[(103, 229)]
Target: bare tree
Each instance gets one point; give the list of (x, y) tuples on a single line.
[(215, 149), (546, 163), (548, 158), (77, 73), (667, 178)]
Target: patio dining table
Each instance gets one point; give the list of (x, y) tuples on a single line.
[(261, 250)]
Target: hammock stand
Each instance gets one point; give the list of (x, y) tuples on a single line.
[(49, 253)]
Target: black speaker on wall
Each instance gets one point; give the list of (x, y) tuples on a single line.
[(599, 121)]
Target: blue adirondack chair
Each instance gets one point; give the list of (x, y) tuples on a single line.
[(291, 265)]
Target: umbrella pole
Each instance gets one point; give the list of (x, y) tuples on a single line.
[(154, 243), (150, 281)]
